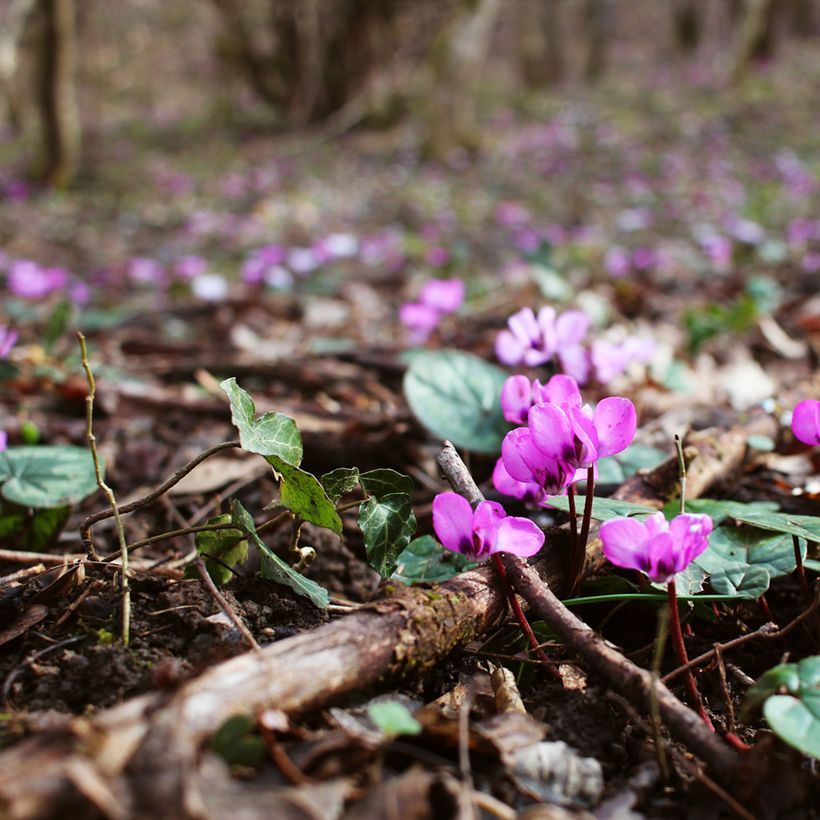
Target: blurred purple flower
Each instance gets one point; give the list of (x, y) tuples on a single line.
[(482, 532), (79, 293), (611, 360), (303, 260), (189, 267), (29, 281), (644, 258), (806, 422), (211, 287), (618, 262), (8, 338), (511, 215), (719, 250), (4, 440), (420, 320), (444, 295), (437, 256), (656, 547), (145, 271)]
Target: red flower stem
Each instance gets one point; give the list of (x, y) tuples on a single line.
[(801, 571), (521, 617), (587, 521), (680, 650), (576, 561), (767, 610)]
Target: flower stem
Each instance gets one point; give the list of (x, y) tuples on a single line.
[(576, 561), (585, 525), (680, 650), (521, 617)]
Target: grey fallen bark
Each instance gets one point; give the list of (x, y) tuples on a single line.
[(142, 755)]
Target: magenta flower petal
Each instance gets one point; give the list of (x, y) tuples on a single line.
[(508, 348), (575, 362), (662, 558), (513, 448), (516, 399), (552, 433), (527, 491), (570, 328), (623, 540), (445, 295), (806, 422), (453, 522), (557, 390), (4, 440), (585, 433), (518, 536), (547, 330), (524, 327), (690, 533), (616, 421)]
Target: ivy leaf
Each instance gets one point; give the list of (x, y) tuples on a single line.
[(425, 561), (387, 524), (229, 546), (273, 567), (380, 483), (340, 482), (273, 434), (304, 496), (46, 476), (457, 396), (603, 509)]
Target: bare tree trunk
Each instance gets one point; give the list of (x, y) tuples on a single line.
[(456, 61), (755, 38), (687, 26), (598, 18), (14, 22), (542, 61), (59, 126)]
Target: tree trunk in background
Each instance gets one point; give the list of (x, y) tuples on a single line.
[(540, 45), (804, 18), (456, 60), (58, 118), (755, 40), (687, 26), (598, 23), (14, 22)]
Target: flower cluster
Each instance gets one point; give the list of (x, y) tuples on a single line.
[(481, 532), (657, 547), (806, 422), (438, 298), (562, 438)]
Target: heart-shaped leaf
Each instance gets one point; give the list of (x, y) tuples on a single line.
[(457, 396), (340, 482), (387, 524), (425, 561), (46, 476), (380, 483), (273, 434), (762, 514), (796, 720), (741, 580), (302, 493), (603, 509), (273, 567)]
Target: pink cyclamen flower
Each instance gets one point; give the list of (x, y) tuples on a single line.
[(657, 547), (4, 440), (8, 338), (480, 533), (518, 395), (527, 491), (526, 463), (806, 422), (420, 321), (533, 341), (611, 360), (576, 436), (445, 295), (29, 281)]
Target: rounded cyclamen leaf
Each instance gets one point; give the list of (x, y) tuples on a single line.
[(453, 522), (806, 422), (518, 536), (616, 421), (624, 543), (551, 432)]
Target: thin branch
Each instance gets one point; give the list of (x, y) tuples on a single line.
[(109, 494), (88, 523)]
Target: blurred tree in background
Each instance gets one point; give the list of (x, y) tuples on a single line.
[(350, 62)]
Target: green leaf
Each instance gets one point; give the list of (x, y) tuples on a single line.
[(340, 482), (741, 580), (31, 530), (304, 496), (751, 547), (456, 396), (760, 514), (273, 434), (603, 509), (425, 561), (380, 483), (273, 567), (387, 524), (46, 476), (237, 743), (782, 676), (814, 566), (393, 718), (229, 546), (794, 723)]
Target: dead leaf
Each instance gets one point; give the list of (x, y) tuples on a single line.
[(507, 696), (28, 617)]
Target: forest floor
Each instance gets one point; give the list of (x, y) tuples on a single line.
[(670, 211)]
